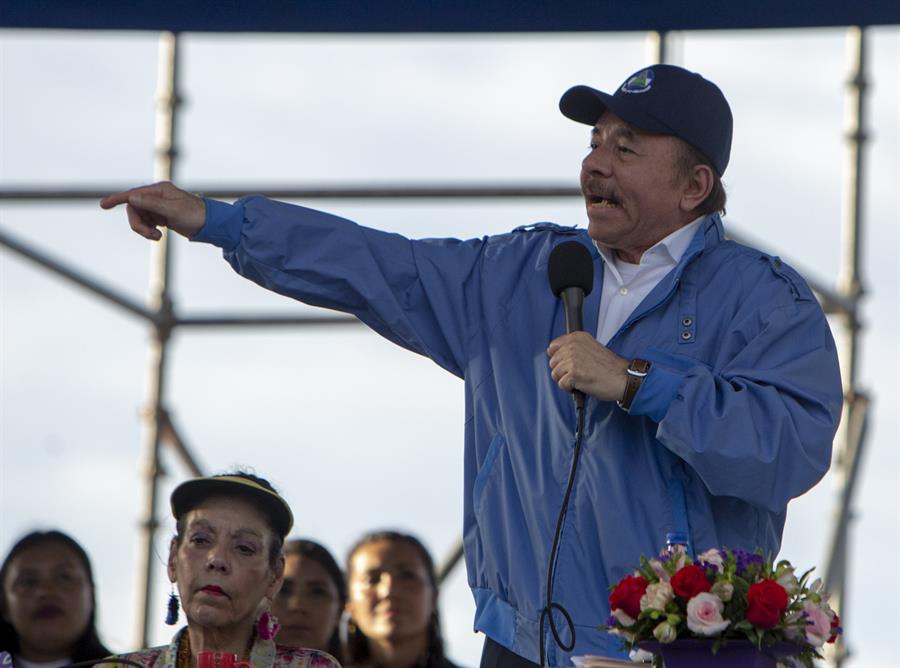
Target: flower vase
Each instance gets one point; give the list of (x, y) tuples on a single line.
[(737, 653)]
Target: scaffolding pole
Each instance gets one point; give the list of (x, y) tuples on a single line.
[(161, 304), (848, 458)]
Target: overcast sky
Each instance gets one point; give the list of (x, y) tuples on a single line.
[(359, 434)]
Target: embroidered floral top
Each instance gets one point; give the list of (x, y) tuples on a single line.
[(263, 654)]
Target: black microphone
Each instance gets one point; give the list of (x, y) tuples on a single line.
[(571, 272)]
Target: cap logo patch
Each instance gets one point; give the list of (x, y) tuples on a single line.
[(639, 83)]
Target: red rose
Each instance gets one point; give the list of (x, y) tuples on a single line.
[(835, 628), (689, 581), (627, 595), (766, 601)]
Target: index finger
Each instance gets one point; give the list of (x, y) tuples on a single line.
[(124, 197), (115, 199)]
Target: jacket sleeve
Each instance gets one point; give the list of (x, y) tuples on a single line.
[(759, 423), (421, 295)]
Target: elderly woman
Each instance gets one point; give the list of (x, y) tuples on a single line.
[(47, 606), (226, 560)]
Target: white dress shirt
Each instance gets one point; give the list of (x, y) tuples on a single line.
[(625, 285)]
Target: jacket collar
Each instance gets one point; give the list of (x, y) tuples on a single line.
[(709, 234)]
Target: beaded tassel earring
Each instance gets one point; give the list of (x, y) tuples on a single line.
[(172, 614), (267, 626)]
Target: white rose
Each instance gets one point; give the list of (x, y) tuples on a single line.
[(724, 590), (657, 596), (665, 632), (622, 617), (704, 615), (786, 578)]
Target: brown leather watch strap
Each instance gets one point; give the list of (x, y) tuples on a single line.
[(637, 371)]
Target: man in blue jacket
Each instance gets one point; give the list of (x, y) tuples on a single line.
[(711, 375)]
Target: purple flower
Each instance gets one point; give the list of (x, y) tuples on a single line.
[(611, 621), (711, 569), (745, 559)]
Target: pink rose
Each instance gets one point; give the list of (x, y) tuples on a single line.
[(818, 623), (704, 615)]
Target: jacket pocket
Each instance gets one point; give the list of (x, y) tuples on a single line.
[(484, 473)]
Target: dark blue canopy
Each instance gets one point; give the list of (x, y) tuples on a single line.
[(403, 16)]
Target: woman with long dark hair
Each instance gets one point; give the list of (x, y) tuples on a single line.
[(48, 603), (312, 598), (393, 604)]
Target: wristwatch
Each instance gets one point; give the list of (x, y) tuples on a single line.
[(637, 370)]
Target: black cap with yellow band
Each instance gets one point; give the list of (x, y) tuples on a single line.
[(191, 493)]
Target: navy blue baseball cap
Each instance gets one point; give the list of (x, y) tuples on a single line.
[(665, 99)]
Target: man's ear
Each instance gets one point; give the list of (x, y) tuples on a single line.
[(697, 187), (173, 560), (277, 579)]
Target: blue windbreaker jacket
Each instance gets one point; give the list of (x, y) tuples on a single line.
[(735, 418)]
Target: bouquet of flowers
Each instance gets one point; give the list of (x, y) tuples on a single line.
[(725, 595)]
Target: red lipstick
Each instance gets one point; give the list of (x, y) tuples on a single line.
[(213, 590)]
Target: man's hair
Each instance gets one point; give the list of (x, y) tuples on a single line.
[(688, 157)]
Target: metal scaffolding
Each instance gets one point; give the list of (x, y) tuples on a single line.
[(162, 318)]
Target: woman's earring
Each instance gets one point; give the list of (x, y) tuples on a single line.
[(267, 626), (172, 614)]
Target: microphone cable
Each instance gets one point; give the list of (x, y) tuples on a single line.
[(547, 611)]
